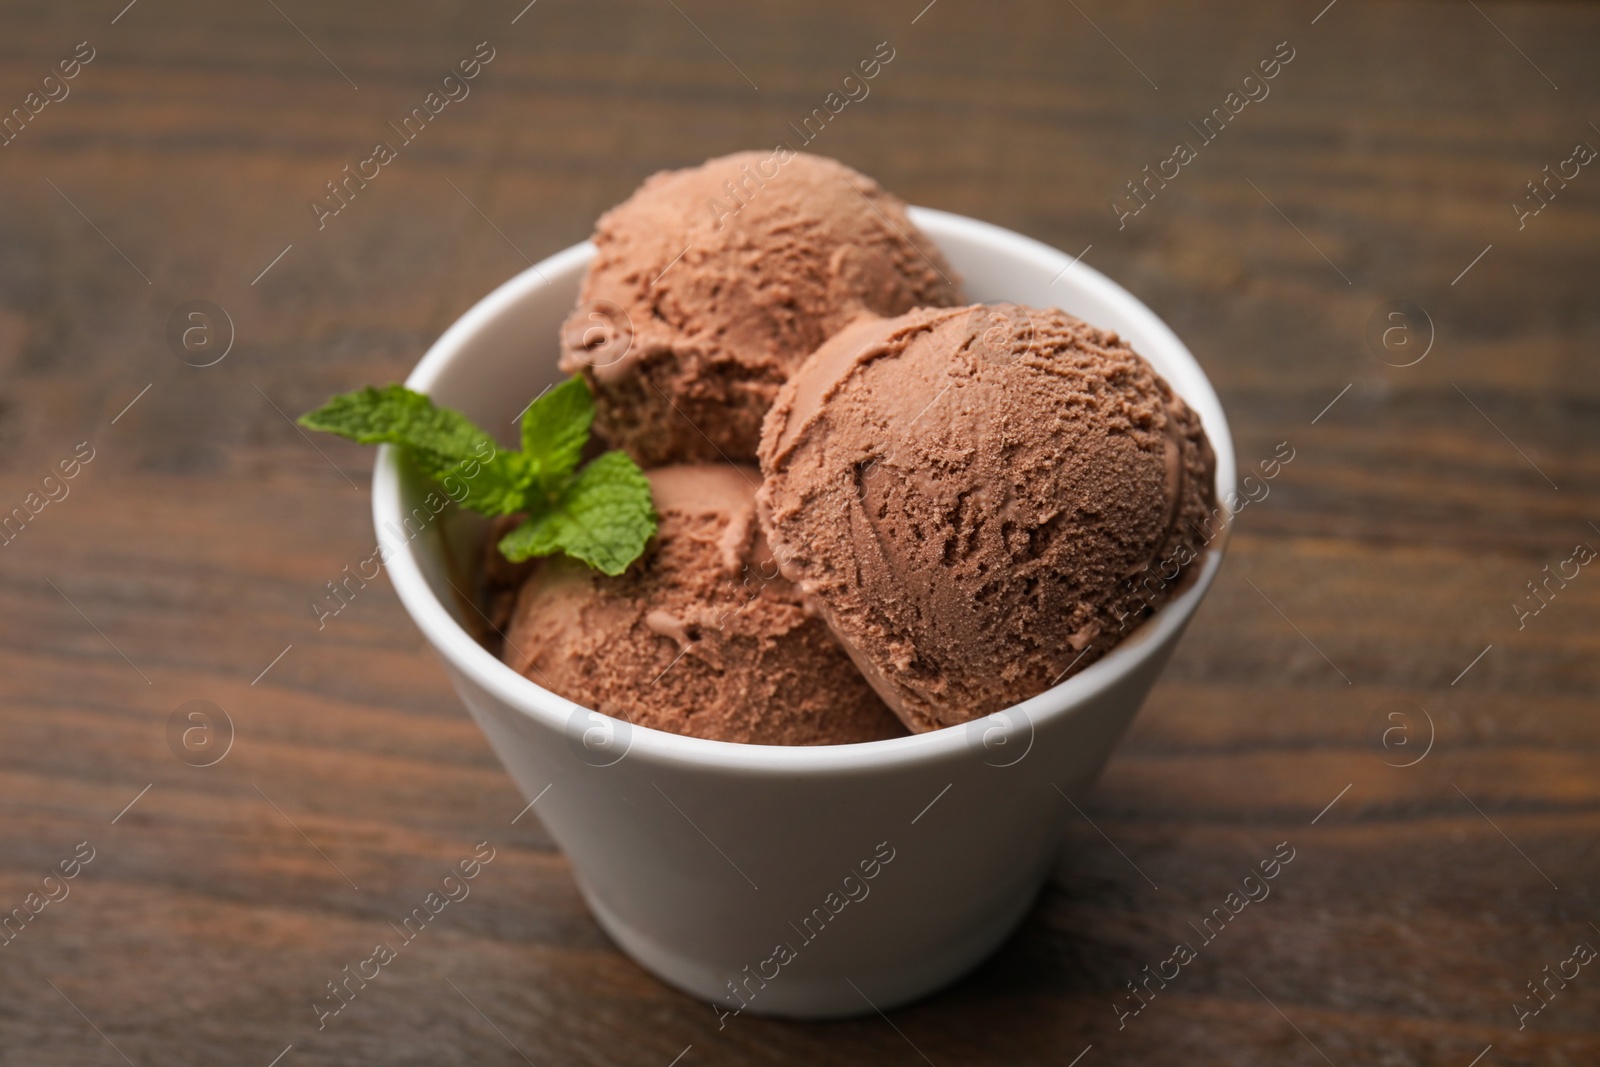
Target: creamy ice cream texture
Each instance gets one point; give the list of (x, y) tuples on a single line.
[(710, 285), (981, 500), (701, 636), (969, 503)]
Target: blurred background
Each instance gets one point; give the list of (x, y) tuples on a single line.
[(1386, 675)]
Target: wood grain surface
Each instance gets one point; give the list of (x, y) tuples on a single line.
[(1380, 572)]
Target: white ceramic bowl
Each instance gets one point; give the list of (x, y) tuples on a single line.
[(809, 882)]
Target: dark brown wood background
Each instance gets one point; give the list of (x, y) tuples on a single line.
[(1385, 560)]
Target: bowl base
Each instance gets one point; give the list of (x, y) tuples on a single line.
[(834, 997)]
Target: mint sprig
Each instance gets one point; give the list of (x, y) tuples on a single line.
[(601, 514)]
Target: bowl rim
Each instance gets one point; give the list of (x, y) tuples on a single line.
[(462, 652)]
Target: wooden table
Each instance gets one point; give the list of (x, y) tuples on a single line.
[(1380, 573)]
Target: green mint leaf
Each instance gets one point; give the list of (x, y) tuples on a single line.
[(443, 443), (498, 487), (604, 516), (439, 437), (554, 430)]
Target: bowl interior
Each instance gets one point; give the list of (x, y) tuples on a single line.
[(502, 353)]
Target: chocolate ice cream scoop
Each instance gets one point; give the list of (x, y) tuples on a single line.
[(710, 285), (701, 636), (981, 500)]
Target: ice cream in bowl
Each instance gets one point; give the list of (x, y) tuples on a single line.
[(906, 512)]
